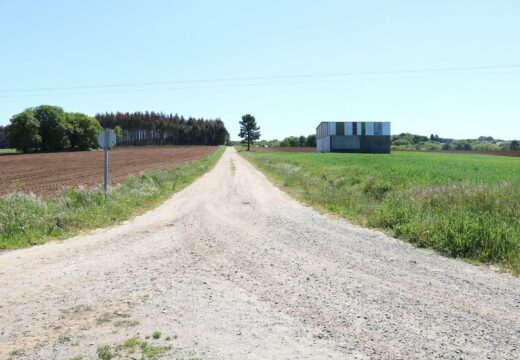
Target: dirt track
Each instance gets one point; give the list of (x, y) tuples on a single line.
[(238, 270), (48, 174)]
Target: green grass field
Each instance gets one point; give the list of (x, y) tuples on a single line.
[(464, 206), (7, 151), (28, 220)]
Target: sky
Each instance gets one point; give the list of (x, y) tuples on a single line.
[(447, 67)]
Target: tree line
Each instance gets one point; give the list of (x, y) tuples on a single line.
[(407, 141), (50, 128), (291, 141), (4, 141), (151, 128)]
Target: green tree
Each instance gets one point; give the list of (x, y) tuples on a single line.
[(290, 141), (54, 127), (4, 143), (310, 141), (24, 131), (119, 133), (83, 131), (249, 131), (514, 145)]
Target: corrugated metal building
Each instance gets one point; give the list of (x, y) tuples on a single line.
[(355, 137)]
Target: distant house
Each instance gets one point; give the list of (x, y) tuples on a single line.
[(354, 137)]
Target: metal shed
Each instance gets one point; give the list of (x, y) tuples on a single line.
[(354, 137)]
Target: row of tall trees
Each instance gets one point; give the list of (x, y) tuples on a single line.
[(151, 128), (4, 141), (49, 128)]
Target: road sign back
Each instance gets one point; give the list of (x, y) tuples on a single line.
[(107, 139)]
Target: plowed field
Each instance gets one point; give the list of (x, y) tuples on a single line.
[(48, 174)]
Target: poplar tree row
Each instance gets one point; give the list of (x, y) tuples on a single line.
[(4, 142), (151, 128)]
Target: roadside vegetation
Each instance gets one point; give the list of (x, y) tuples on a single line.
[(465, 206), (27, 220)]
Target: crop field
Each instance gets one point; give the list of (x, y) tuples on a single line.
[(464, 206), (512, 153), (50, 173)]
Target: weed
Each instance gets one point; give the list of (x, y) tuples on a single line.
[(156, 334), (104, 352), (151, 351), (107, 317), (136, 346), (63, 339), (126, 323), (77, 357), (16, 352)]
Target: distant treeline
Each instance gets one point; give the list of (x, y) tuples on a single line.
[(407, 141), (290, 141), (151, 128)]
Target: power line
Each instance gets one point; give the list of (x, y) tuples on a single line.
[(447, 70)]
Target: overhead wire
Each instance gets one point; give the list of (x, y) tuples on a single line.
[(253, 81)]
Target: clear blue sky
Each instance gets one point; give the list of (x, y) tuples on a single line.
[(62, 44)]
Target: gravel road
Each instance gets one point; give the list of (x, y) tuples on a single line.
[(232, 268)]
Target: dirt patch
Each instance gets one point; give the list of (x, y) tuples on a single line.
[(49, 174)]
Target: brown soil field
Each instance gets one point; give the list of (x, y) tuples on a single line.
[(51, 173)]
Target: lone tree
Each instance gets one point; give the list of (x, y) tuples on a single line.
[(249, 131)]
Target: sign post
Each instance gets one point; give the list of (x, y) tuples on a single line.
[(106, 140)]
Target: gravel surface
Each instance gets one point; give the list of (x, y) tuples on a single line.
[(232, 268)]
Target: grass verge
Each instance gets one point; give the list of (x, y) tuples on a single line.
[(29, 220), (465, 206)]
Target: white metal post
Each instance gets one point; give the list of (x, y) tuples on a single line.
[(106, 162)]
